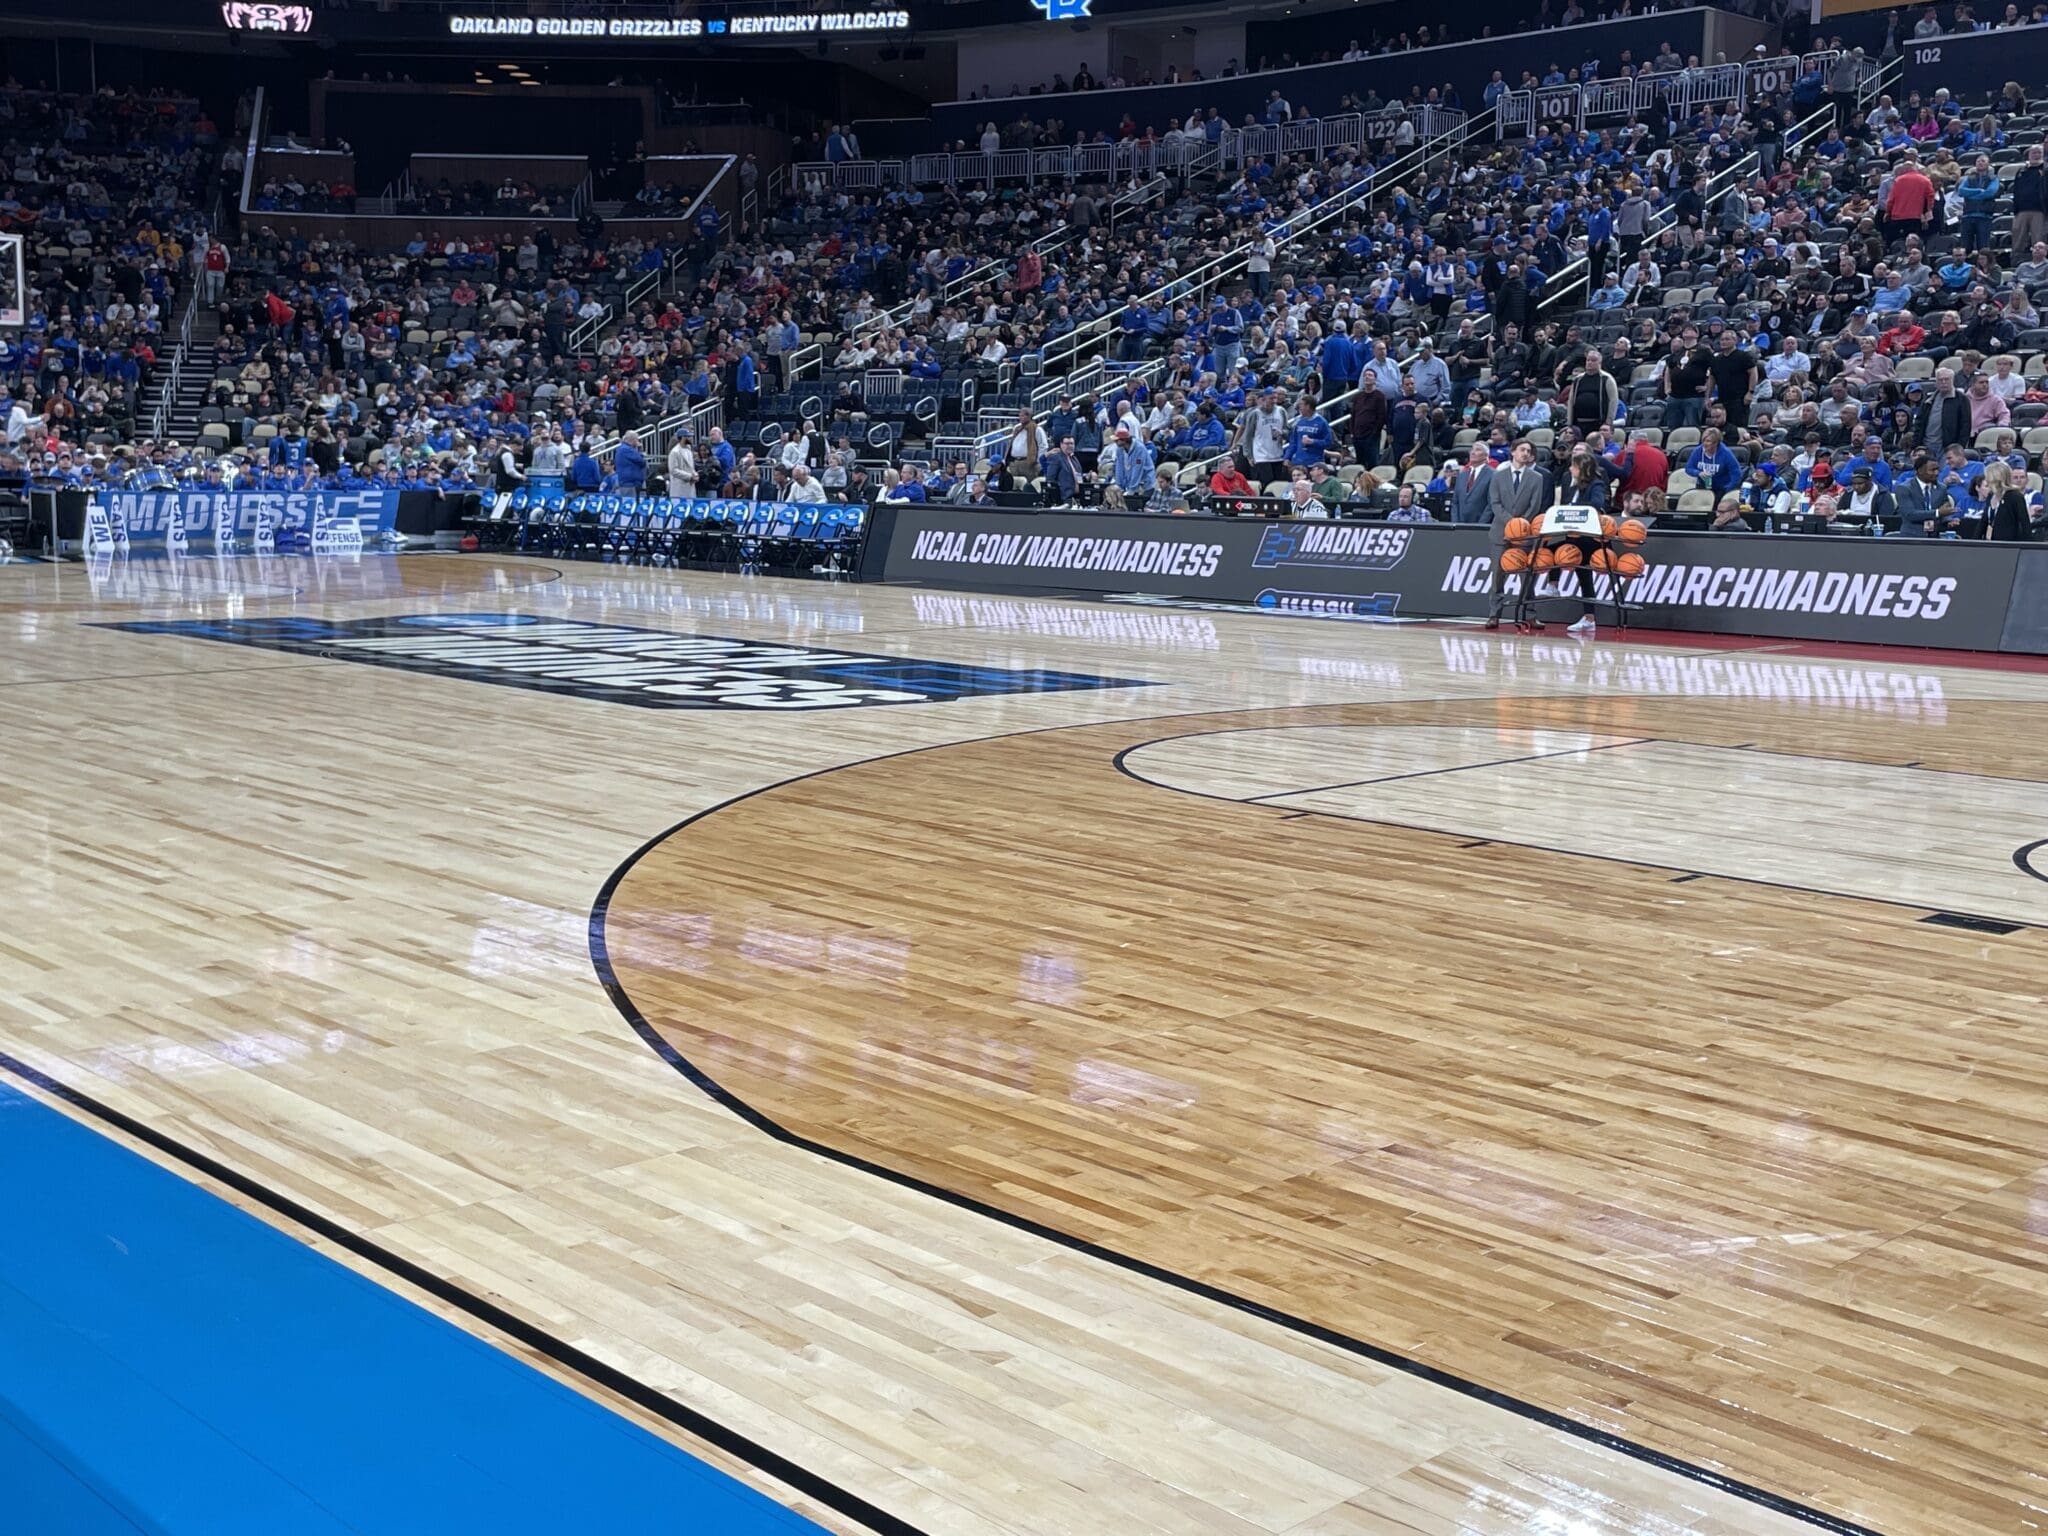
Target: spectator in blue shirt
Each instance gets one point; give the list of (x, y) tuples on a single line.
[(1340, 360), (629, 465), (1308, 436), (1135, 468), (1713, 465), (907, 487)]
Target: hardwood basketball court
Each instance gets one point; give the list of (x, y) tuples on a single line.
[(1018, 1065)]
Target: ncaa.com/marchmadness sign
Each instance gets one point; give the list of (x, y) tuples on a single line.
[(1924, 592)]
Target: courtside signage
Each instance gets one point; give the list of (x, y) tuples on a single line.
[(652, 668), (1895, 591), (150, 514)]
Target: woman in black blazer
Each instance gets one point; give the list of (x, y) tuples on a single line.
[(2011, 519)]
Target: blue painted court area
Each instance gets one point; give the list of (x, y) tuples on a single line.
[(169, 1364)]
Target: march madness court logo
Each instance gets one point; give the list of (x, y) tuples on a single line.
[(1343, 546), (655, 669)]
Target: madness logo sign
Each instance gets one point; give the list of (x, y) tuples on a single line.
[(1344, 546), (247, 16), (655, 669)]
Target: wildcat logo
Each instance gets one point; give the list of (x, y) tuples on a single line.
[(250, 16), (1343, 546)]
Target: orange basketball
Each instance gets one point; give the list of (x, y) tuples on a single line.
[(1633, 531), (1546, 557), (1514, 559), (1518, 528), (1602, 560), (1630, 565), (1607, 526), (1569, 555)]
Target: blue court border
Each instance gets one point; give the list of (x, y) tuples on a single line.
[(692, 1421)]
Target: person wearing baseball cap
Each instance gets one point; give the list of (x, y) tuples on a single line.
[(1867, 501)]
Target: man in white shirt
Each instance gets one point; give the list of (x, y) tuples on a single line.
[(19, 422), (802, 487), (1263, 430), (2006, 381)]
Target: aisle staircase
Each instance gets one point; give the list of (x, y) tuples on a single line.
[(175, 395)]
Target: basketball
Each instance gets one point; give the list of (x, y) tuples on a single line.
[(1519, 528), (1633, 530), (1603, 560), (1514, 560), (1629, 565), (1545, 558), (1607, 525), (1569, 555)]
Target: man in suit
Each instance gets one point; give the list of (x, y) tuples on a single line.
[(1518, 489), (1921, 499), (1469, 487), (1062, 471)]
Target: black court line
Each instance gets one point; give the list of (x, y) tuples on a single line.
[(1261, 804), (2024, 858), (1971, 924), (690, 1420), (1548, 1418), (1426, 773)]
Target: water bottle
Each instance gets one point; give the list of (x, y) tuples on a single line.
[(1770, 523)]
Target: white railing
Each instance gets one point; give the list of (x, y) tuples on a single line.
[(997, 269), (1572, 277), (657, 439), (1177, 154), (805, 361), (647, 281), (253, 148), (1343, 130), (1575, 276), (174, 369), (1061, 355), (844, 175), (586, 331), (1124, 204), (1616, 100), (724, 170)]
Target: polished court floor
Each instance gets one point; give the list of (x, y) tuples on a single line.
[(1214, 1074)]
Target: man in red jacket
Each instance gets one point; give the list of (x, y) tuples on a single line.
[(1904, 338), (1229, 480), (1642, 465), (1910, 203)]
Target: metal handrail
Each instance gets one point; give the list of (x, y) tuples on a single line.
[(581, 335), (253, 148), (1195, 283), (1815, 122), (174, 370), (1577, 270)]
